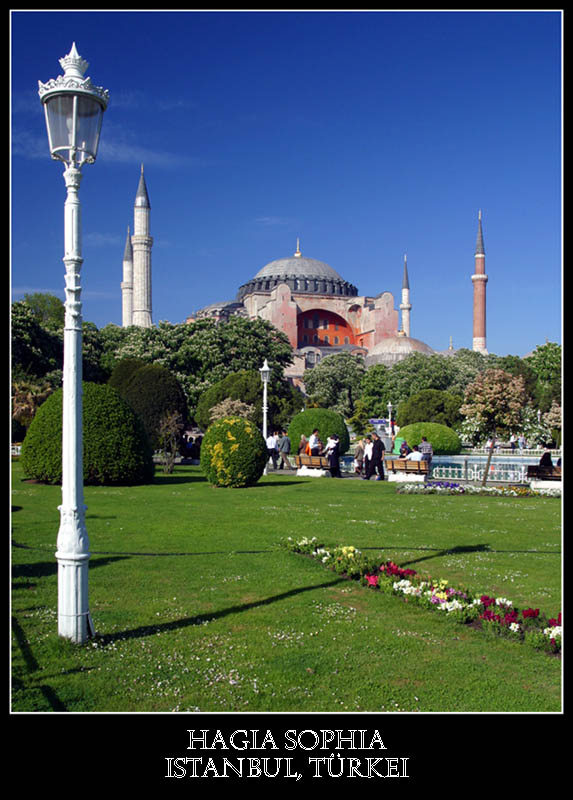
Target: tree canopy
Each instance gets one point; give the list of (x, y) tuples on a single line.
[(336, 382)]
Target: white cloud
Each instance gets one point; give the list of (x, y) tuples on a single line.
[(271, 221)]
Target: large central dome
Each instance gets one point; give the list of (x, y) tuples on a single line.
[(300, 266), (301, 274)]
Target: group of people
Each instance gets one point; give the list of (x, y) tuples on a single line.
[(314, 447), (420, 452), (514, 442), (369, 457), (278, 448)]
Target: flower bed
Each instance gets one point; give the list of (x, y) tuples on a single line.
[(447, 487), (495, 616)]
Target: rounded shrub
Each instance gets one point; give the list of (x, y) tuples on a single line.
[(123, 372), (328, 422), (444, 440), (116, 448), (154, 392), (233, 453)]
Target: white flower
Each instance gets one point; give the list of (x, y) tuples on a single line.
[(514, 626)]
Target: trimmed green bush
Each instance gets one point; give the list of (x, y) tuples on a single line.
[(153, 392), (123, 372), (444, 440), (116, 448), (233, 453), (327, 422), (430, 405)]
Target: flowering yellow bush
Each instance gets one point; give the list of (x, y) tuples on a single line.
[(233, 453)]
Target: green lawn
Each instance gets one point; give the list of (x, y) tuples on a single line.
[(197, 607)]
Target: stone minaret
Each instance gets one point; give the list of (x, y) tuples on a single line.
[(141, 243), (127, 284), (479, 279), (405, 305)]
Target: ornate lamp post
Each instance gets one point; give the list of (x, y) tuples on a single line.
[(389, 418), (74, 111), (265, 371)]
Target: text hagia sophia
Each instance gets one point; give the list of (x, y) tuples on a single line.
[(319, 311)]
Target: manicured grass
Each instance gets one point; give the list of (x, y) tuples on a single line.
[(197, 606)]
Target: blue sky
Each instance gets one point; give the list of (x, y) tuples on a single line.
[(369, 135)]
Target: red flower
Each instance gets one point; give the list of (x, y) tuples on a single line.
[(372, 580), (530, 612)]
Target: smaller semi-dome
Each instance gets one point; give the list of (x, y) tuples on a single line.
[(396, 348)]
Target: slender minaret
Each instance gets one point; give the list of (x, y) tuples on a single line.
[(479, 279), (127, 284), (141, 242), (405, 305)]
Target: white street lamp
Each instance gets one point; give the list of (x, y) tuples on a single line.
[(74, 110), (389, 418), (265, 371)]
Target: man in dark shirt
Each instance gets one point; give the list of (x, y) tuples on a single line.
[(377, 457)]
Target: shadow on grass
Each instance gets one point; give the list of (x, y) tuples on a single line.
[(44, 569), (162, 479), (469, 548), (202, 619), (450, 551), (32, 665)]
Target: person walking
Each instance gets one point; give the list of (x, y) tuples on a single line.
[(284, 450), (358, 457), (272, 448), (368, 467), (332, 452), (378, 456)]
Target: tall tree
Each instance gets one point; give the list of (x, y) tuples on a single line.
[(547, 364), (201, 353), (336, 382), (496, 400), (48, 309)]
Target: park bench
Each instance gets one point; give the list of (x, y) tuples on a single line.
[(311, 462), (403, 465), (401, 469), (537, 473)]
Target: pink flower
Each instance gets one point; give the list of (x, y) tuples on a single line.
[(372, 580)]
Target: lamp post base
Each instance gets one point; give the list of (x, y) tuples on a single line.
[(74, 619)]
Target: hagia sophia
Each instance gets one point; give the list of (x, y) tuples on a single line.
[(319, 311)]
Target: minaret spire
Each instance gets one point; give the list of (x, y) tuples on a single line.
[(298, 254), (127, 284), (479, 280), (405, 305), (141, 242)]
